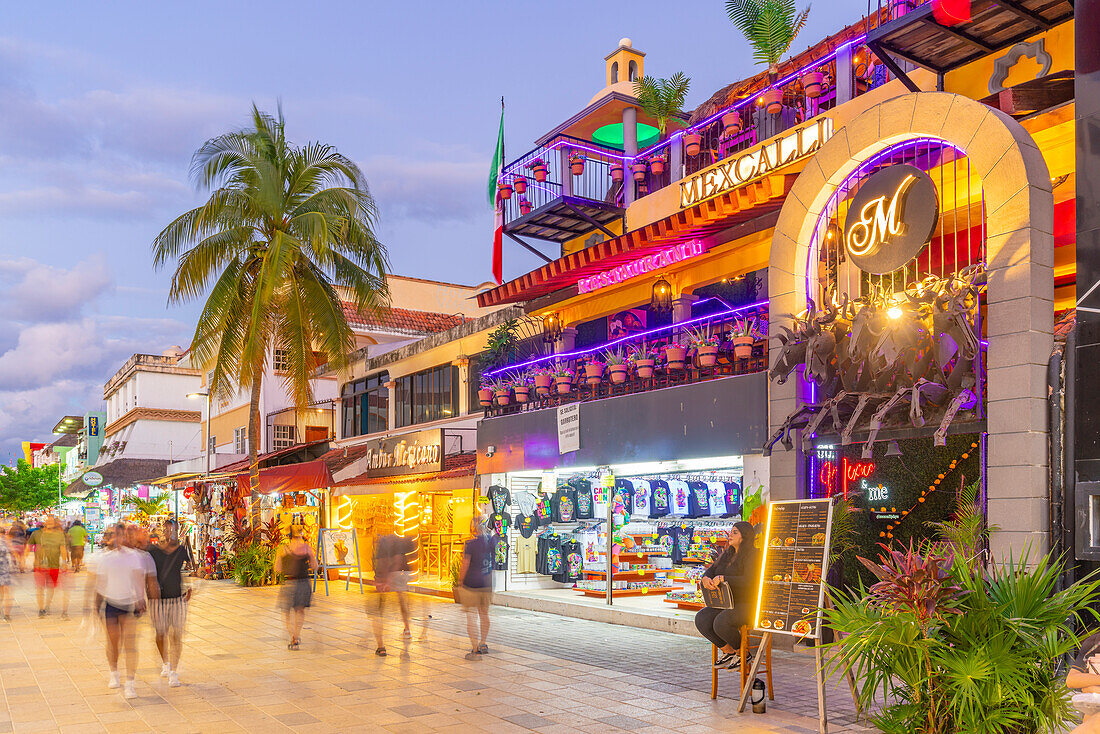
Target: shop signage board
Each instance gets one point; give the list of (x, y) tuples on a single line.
[(420, 452), (755, 163), (891, 218), (569, 428), (337, 549), (92, 478)]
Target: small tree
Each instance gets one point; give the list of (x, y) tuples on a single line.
[(662, 99), (770, 27), (25, 488)]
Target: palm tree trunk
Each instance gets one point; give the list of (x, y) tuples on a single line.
[(253, 453)]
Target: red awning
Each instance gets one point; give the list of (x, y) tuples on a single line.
[(309, 475)]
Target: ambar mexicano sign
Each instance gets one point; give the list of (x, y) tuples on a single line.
[(755, 163)]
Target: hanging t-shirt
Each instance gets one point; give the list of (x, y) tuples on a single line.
[(526, 525), (541, 553), (499, 498), (553, 556), (659, 502), (526, 553), (716, 492), (679, 497), (626, 491), (500, 553), (499, 524), (683, 536), (583, 497), (666, 538), (590, 550), (733, 499), (600, 497), (563, 506), (570, 570), (699, 499), (641, 497), (524, 502), (542, 509)]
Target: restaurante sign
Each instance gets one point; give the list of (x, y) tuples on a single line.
[(411, 453), (641, 266), (755, 163)]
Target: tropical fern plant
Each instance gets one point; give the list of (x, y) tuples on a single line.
[(966, 533), (284, 227), (770, 27), (146, 509), (662, 99)]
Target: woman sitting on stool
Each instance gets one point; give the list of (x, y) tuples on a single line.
[(738, 566)]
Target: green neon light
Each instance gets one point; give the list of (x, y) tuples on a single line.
[(612, 135)]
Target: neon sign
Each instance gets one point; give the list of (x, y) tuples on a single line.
[(641, 266), (838, 476)]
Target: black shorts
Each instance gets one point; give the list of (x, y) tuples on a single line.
[(110, 611)]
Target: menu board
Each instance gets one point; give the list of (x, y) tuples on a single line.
[(796, 555)]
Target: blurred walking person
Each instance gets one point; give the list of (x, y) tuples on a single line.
[(120, 583), (78, 538), (391, 575), (7, 575), (297, 561), (169, 610), (476, 577), (17, 534), (50, 546)]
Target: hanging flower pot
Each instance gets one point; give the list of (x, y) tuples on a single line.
[(812, 82), (675, 356), (616, 171), (539, 170), (543, 381), (742, 347), (485, 396), (525, 206), (593, 373), (563, 383), (576, 164), (639, 171), (644, 368), (773, 100), (505, 191), (731, 123), (520, 184), (951, 12), (523, 393), (617, 373), (503, 397), (657, 165), (693, 143), (707, 354)]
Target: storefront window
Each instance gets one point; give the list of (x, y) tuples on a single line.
[(426, 396), (366, 405)]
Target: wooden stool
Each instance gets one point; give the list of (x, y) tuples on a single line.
[(766, 666)]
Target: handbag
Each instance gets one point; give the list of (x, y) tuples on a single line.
[(720, 598)]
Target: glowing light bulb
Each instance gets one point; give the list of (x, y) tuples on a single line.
[(894, 313)]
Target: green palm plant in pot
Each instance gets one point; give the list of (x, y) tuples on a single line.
[(770, 27), (615, 360), (662, 99)]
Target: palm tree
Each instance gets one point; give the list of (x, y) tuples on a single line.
[(770, 27), (150, 508), (662, 99), (284, 227)]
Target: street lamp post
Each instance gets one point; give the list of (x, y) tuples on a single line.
[(206, 450)]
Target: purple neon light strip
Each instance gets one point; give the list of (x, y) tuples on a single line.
[(602, 347)]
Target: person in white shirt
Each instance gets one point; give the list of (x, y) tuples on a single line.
[(120, 585)]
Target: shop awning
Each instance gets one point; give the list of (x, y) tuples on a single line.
[(308, 475), (457, 474)]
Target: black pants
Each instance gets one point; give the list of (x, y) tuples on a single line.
[(721, 626)]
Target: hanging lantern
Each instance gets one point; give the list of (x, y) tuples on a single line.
[(951, 12), (661, 300), (551, 328)]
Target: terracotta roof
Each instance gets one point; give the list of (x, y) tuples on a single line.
[(403, 320), (454, 465), (337, 459), (262, 459)]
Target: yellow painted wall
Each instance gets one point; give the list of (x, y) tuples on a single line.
[(972, 80), (222, 425), (577, 243)]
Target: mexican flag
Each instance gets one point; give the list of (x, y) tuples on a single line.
[(496, 170)]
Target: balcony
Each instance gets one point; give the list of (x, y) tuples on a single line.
[(910, 30), (719, 323)]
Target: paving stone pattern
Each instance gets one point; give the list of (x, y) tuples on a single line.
[(544, 673)]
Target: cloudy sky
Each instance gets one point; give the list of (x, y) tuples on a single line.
[(102, 105)]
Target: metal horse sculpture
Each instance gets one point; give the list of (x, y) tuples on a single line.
[(873, 358)]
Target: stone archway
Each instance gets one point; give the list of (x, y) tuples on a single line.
[(1020, 257)]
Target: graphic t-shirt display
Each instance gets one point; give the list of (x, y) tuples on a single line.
[(683, 537), (499, 524), (500, 553), (542, 509), (583, 496), (659, 502), (625, 488), (563, 506), (499, 498), (641, 497), (733, 499), (526, 525), (699, 499), (571, 563), (679, 493), (717, 492), (666, 538), (524, 503), (526, 552)]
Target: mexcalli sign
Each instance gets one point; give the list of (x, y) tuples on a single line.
[(891, 218), (641, 266), (755, 163)]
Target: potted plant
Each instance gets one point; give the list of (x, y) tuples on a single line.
[(675, 355), (538, 169), (576, 163), (639, 170), (502, 392), (616, 171), (505, 190), (520, 184), (643, 358), (657, 163), (705, 345), (693, 143), (615, 360), (521, 387), (563, 378), (812, 83), (525, 206), (543, 377), (731, 123), (770, 27), (662, 99), (485, 394), (593, 371), (744, 334)]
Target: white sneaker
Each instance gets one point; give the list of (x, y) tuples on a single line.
[(113, 682), (165, 670), (128, 691), (173, 680)]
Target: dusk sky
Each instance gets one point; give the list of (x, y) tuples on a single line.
[(102, 105)]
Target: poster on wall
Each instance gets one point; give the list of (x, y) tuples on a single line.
[(626, 323), (796, 557), (569, 428)]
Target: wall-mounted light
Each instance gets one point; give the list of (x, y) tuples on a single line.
[(661, 300), (551, 328)]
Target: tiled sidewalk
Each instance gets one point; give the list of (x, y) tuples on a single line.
[(544, 673)]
